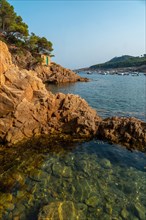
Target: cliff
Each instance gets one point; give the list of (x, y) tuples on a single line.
[(57, 74), (5, 61), (27, 109), (51, 74)]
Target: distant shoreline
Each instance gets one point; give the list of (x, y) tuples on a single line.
[(130, 70)]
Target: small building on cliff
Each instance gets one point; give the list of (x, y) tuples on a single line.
[(46, 60)]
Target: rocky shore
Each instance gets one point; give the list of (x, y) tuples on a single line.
[(114, 71), (27, 109), (129, 132), (54, 73)]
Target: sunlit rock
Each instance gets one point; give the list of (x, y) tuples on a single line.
[(66, 210)]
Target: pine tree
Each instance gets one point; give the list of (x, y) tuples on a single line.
[(7, 15), (10, 23)]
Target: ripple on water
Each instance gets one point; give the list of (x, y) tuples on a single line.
[(113, 94)]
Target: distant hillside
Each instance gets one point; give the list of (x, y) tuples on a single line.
[(120, 62)]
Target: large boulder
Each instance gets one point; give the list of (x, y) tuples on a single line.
[(74, 116), (21, 98)]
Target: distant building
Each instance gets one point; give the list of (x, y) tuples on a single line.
[(46, 60)]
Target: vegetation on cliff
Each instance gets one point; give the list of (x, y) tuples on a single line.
[(123, 61), (15, 32)]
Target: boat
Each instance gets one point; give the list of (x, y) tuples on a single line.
[(135, 74), (105, 73), (89, 72), (126, 74), (120, 74)]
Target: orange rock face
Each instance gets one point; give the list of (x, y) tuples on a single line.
[(129, 132), (28, 109), (5, 61), (56, 74)]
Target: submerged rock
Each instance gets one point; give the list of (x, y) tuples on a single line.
[(5, 197), (66, 210), (140, 211), (106, 163), (124, 213), (61, 170), (92, 201)]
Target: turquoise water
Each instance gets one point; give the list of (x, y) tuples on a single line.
[(89, 181)]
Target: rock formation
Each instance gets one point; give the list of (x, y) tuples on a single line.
[(5, 61), (27, 109), (56, 74), (129, 132), (21, 57), (52, 74)]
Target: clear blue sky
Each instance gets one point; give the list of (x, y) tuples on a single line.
[(84, 33)]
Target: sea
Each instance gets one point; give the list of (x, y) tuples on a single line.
[(81, 180), (110, 95)]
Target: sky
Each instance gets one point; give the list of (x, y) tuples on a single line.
[(87, 32)]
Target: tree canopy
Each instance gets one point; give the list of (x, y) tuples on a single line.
[(16, 31), (7, 15), (10, 22), (38, 44), (120, 62)]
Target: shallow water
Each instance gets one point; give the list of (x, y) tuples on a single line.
[(107, 181), (99, 180)]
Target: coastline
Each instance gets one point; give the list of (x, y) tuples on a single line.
[(46, 113)]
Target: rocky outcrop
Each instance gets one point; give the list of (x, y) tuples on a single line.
[(27, 109), (129, 132), (142, 69), (52, 74), (5, 61), (22, 57), (56, 74), (5, 58), (72, 115)]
